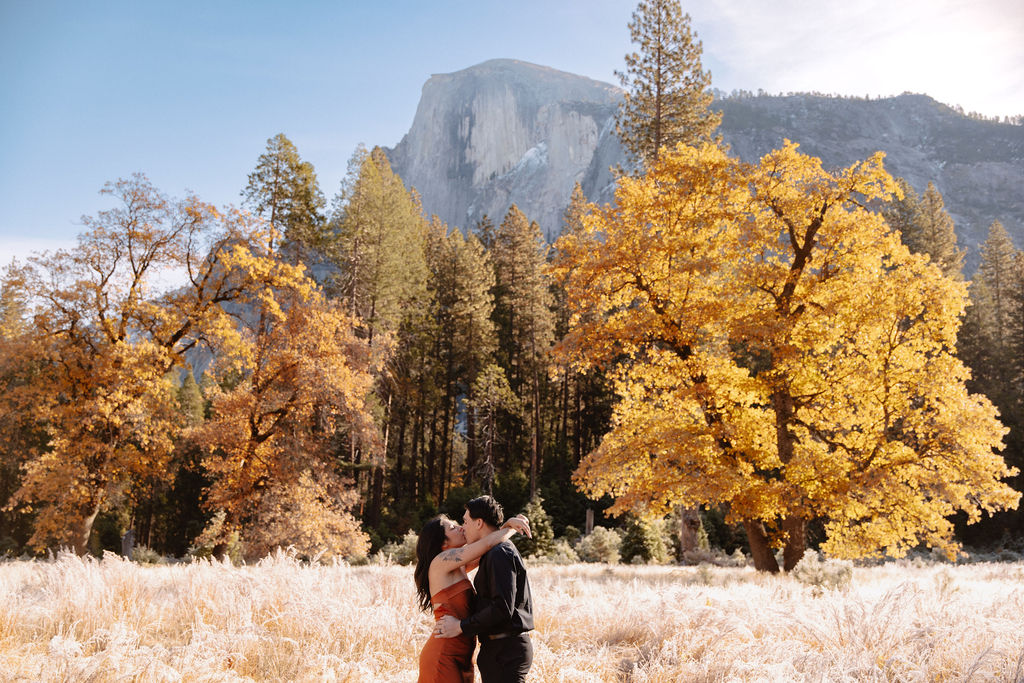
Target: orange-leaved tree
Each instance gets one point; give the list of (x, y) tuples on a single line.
[(106, 332), (295, 383), (777, 350)]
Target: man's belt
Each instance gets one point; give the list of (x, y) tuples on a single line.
[(499, 636)]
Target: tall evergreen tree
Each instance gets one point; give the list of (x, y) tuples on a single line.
[(379, 248), (667, 90), (903, 213), (926, 227), (998, 273), (936, 235), (524, 317), (474, 333), (283, 189), (992, 344), (190, 400), (485, 232), (1015, 327), (492, 399)]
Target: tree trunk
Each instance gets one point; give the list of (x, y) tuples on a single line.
[(83, 530), (378, 473), (578, 429), (471, 453), (764, 558), (689, 528), (372, 517), (434, 480), (488, 473), (397, 485), (795, 529)]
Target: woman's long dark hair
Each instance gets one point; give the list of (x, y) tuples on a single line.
[(432, 537)]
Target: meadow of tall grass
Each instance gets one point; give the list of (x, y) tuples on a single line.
[(71, 619)]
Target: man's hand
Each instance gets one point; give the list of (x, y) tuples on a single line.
[(448, 627)]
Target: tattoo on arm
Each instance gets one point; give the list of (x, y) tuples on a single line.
[(454, 555)]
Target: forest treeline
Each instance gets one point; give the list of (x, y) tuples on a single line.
[(258, 400), (784, 356), (331, 378)]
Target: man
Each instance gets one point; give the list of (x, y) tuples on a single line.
[(503, 612)]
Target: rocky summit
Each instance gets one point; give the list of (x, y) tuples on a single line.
[(508, 132)]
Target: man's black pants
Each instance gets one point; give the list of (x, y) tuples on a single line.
[(506, 660)]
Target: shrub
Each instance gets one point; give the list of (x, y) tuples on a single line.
[(643, 542), (402, 551), (821, 574), (543, 539), (717, 558), (216, 536), (561, 553), (8, 547), (145, 555), (601, 545)]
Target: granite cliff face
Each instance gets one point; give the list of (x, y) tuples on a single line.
[(978, 166), (508, 132)]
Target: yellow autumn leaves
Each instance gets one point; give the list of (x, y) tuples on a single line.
[(90, 381), (776, 349)]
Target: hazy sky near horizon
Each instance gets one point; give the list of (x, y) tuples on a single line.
[(189, 92)]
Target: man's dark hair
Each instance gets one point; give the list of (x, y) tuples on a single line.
[(487, 509)]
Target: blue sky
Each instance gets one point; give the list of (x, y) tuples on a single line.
[(188, 92)]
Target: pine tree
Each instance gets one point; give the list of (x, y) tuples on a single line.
[(667, 89), (475, 336), (998, 273), (190, 400), (643, 541), (485, 232), (379, 248), (925, 226), (492, 399), (903, 213), (936, 236), (524, 317), (1015, 327), (283, 189), (543, 541)]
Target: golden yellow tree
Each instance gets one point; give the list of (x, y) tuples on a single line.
[(776, 349), (105, 334), (294, 379)]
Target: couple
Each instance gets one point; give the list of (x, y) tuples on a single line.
[(499, 611)]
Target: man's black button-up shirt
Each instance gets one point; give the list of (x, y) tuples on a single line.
[(503, 602)]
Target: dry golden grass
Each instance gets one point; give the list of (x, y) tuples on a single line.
[(111, 620)]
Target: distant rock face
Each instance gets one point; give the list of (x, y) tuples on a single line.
[(507, 132), (978, 166)]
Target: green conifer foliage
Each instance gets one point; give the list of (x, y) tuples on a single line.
[(492, 399), (283, 189), (643, 541), (190, 400), (998, 272), (380, 242), (667, 90), (926, 227), (543, 541), (524, 317)]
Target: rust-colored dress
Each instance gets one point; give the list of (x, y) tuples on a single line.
[(449, 660)]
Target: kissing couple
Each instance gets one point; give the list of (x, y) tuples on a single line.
[(496, 607)]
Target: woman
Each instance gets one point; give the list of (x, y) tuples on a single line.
[(442, 559)]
